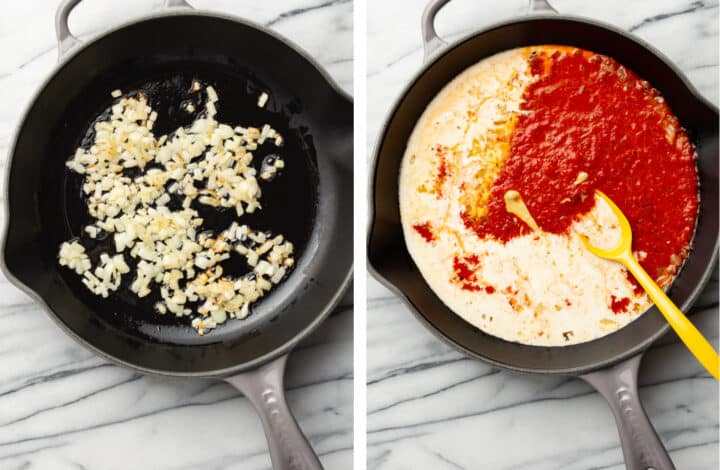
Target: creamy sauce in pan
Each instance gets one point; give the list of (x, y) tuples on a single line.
[(498, 178)]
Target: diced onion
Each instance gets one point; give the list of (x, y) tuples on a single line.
[(169, 249)]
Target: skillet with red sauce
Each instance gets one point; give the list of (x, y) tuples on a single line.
[(609, 363)]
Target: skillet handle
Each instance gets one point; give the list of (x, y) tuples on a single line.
[(177, 4), (432, 42), (641, 445), (541, 7), (65, 38), (289, 449)]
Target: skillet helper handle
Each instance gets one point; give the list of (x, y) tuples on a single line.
[(641, 445), (432, 42), (541, 7), (289, 449), (66, 40), (177, 4)]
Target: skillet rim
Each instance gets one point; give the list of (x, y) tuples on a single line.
[(372, 176), (63, 60)]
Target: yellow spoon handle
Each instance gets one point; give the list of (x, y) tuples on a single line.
[(691, 336)]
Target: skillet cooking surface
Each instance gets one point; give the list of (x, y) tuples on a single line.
[(388, 254), (166, 89), (163, 54)]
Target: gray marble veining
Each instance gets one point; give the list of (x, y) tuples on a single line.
[(430, 407), (61, 407)]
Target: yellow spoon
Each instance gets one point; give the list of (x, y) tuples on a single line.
[(684, 328)]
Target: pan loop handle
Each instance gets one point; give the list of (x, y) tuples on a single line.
[(177, 4), (431, 40), (289, 449), (65, 38), (541, 7), (642, 448)]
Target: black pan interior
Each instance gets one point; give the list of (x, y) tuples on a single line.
[(310, 202), (392, 263)]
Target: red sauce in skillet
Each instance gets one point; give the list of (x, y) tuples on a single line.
[(619, 305), (465, 268), (425, 231), (587, 113), (442, 174)]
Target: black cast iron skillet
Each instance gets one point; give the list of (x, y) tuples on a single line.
[(610, 363), (311, 202)]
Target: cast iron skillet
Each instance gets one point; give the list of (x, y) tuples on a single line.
[(610, 363), (311, 202)]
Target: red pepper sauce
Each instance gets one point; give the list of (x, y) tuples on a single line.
[(465, 268), (619, 305), (587, 113), (425, 230), (442, 175)]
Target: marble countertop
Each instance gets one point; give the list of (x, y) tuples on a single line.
[(61, 407), (430, 407)]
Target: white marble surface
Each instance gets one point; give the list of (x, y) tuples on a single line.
[(61, 407), (430, 407)]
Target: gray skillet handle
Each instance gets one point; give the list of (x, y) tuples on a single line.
[(289, 449), (65, 38), (641, 445), (432, 42), (177, 4), (541, 7)]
